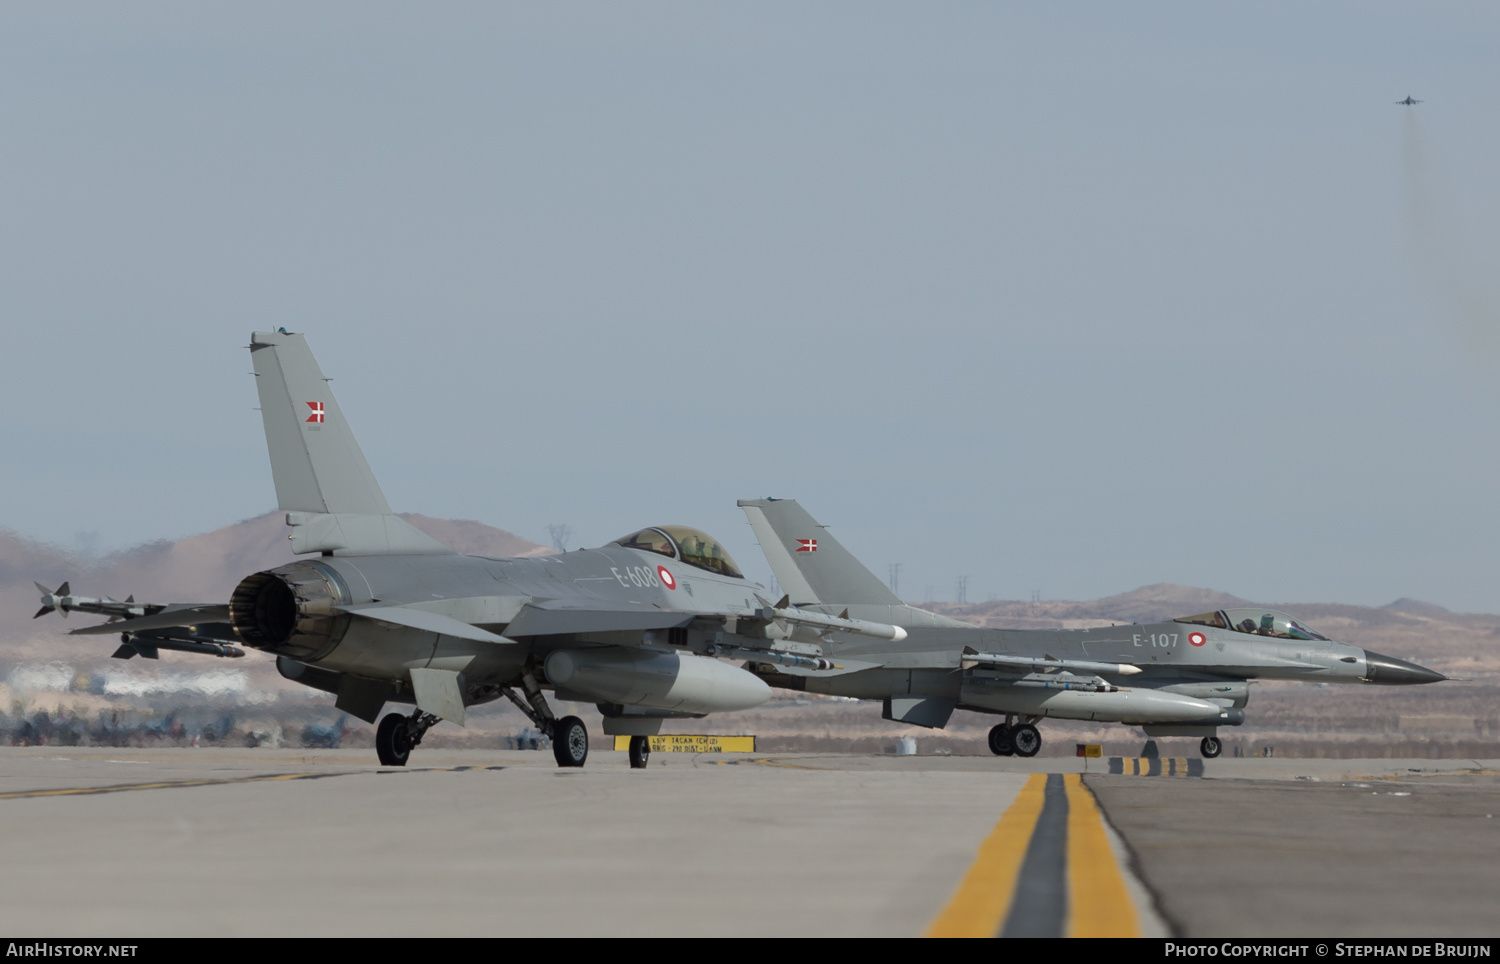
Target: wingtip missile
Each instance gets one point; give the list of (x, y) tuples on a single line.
[(52, 600)]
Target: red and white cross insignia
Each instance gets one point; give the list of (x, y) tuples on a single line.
[(317, 411), (807, 545)]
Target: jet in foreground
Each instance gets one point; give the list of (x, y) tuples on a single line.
[(382, 613), (1186, 677)]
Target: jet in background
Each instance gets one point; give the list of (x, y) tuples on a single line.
[(1409, 101), (1186, 677), (382, 613)]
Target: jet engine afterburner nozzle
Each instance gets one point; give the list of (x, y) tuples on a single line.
[(291, 610)]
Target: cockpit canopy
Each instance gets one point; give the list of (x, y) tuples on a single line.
[(692, 546), (1259, 622)]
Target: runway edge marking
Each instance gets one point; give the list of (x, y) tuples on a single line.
[(217, 781), (1099, 901)]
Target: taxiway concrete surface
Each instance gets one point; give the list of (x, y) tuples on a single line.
[(507, 844), (1396, 854)]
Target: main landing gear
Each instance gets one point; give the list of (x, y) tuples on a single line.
[(398, 735), (570, 742), (570, 738), (1015, 739), (1211, 747), (640, 752)]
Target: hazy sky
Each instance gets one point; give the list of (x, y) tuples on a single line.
[(1069, 298)]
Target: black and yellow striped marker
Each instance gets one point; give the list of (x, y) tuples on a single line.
[(1046, 870), (1150, 766)]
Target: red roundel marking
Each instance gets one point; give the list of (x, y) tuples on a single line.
[(1197, 639), (666, 577)]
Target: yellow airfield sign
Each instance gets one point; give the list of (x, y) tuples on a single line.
[(693, 743)]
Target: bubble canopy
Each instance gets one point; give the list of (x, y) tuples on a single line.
[(1259, 622), (692, 546)]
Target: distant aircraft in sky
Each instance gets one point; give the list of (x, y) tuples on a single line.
[(1410, 101)]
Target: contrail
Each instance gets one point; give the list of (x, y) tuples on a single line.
[(1444, 258)]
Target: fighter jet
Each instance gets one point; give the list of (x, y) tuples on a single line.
[(1409, 101), (379, 612), (1185, 677)]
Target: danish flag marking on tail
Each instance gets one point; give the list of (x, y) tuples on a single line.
[(317, 411), (807, 545)]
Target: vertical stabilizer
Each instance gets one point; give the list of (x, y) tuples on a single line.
[(322, 479), (810, 564), (315, 460)]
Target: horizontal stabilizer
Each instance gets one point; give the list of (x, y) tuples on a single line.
[(167, 618), (425, 621)]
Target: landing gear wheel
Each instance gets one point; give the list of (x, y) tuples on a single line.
[(640, 752), (570, 742), (393, 741), (1000, 742), (1026, 740), (1210, 747)]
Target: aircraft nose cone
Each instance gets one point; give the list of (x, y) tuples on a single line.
[(1389, 671)]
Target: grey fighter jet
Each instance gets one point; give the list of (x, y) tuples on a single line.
[(381, 613), (1186, 677)]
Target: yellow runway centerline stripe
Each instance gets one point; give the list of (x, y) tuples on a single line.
[(983, 898), (1100, 904)]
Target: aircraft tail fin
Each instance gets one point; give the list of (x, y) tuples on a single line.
[(811, 565), (322, 479)]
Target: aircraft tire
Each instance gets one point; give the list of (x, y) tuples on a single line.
[(570, 742), (1211, 747), (640, 752), (1026, 740), (1000, 742), (393, 741)]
